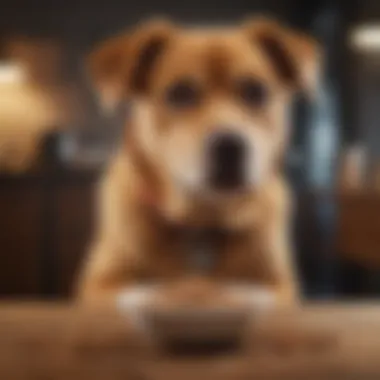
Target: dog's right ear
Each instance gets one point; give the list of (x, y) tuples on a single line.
[(294, 57), (122, 65)]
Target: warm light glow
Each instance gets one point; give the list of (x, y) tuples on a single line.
[(366, 37), (11, 72)]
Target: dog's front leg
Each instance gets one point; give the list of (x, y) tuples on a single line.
[(136, 301), (111, 280), (262, 297), (277, 285)]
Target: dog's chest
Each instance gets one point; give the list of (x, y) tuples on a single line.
[(207, 252), (201, 249)]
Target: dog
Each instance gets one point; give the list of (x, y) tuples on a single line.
[(201, 155)]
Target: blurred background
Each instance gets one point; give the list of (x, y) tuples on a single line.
[(54, 141)]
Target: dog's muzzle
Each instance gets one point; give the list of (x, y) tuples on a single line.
[(227, 159)]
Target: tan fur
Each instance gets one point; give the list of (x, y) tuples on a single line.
[(138, 195)]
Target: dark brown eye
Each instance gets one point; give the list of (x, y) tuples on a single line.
[(253, 92), (183, 94)]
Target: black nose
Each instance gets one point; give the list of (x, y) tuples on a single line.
[(227, 158)]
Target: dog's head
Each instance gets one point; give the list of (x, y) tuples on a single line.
[(210, 106)]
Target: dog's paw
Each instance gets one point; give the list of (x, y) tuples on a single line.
[(135, 302), (253, 297)]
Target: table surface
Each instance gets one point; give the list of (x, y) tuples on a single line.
[(316, 341)]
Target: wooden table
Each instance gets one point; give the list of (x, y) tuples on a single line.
[(321, 341)]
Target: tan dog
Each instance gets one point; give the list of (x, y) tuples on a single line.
[(203, 149)]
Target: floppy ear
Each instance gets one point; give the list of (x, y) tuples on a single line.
[(295, 58), (121, 66)]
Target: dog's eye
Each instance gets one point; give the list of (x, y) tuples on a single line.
[(252, 92), (183, 94)]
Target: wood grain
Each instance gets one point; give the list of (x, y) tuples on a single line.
[(41, 341)]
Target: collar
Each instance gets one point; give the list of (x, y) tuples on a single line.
[(202, 249), (200, 245)]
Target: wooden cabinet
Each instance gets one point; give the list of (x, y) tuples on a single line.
[(45, 227), (358, 228), (73, 208), (21, 238)]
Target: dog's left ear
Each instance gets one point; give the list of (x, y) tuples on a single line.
[(121, 66), (295, 57)]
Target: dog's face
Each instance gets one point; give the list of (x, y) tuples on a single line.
[(210, 106)]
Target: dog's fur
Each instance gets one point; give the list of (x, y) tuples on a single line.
[(156, 178)]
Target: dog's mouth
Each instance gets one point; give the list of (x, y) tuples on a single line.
[(226, 178), (214, 190), (227, 161), (225, 168)]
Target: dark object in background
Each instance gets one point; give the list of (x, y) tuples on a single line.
[(45, 224)]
